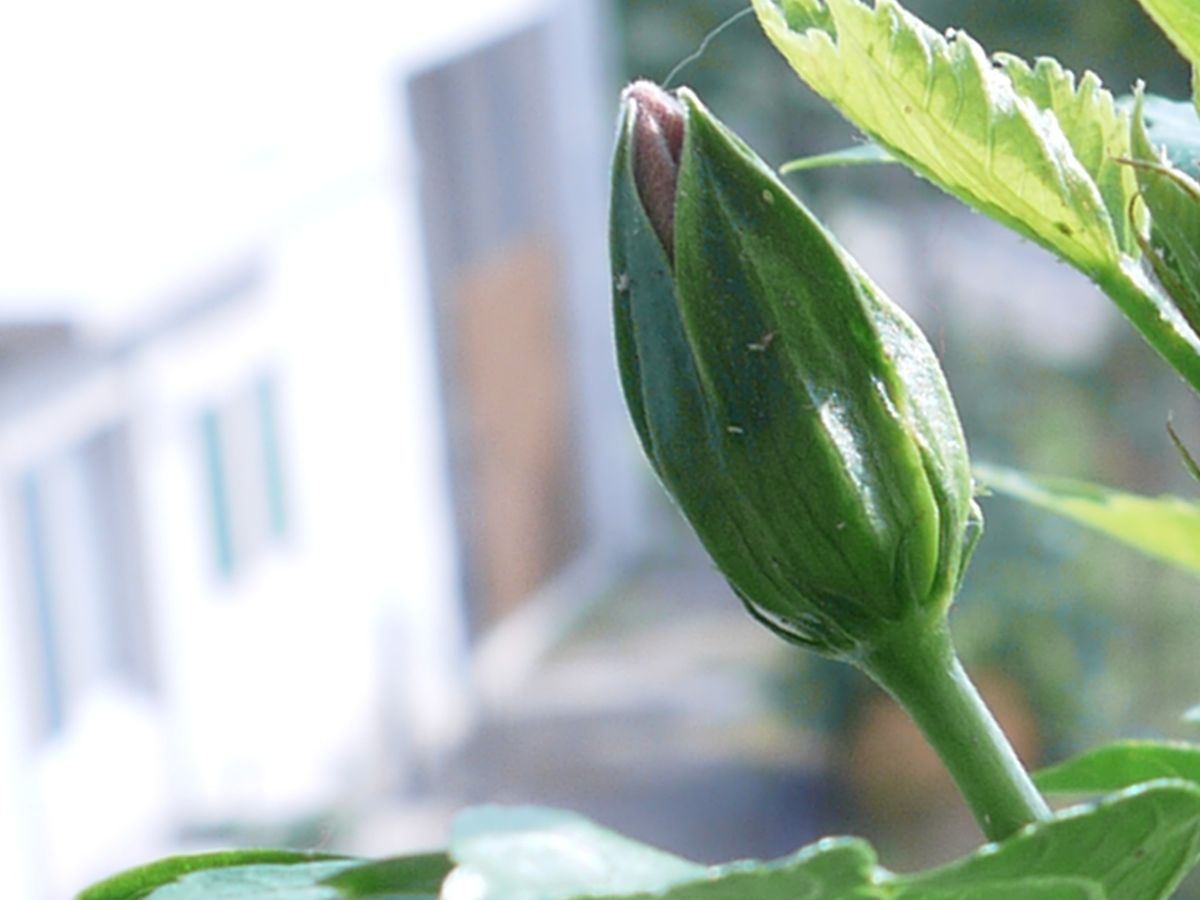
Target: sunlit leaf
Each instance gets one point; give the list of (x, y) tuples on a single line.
[(276, 882), (143, 881), (1137, 845), (530, 853), (938, 103), (1029, 147), (1167, 528), (539, 854), (1096, 128), (1116, 766)]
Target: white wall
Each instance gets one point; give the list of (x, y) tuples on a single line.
[(293, 683)]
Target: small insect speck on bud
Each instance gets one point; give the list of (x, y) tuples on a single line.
[(734, 429), (768, 197), (623, 282), (761, 345)]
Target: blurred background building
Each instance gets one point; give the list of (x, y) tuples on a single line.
[(319, 512), (300, 399)]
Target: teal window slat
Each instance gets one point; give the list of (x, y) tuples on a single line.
[(272, 462), (218, 491)]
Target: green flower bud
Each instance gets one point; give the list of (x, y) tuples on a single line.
[(798, 417)]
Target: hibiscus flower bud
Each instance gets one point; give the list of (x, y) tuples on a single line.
[(799, 419)]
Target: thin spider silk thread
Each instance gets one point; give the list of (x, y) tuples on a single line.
[(708, 39)]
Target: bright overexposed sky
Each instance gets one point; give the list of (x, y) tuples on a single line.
[(141, 140)]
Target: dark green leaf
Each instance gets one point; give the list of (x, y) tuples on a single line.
[(1020, 889), (402, 878), (1173, 199), (1117, 766)]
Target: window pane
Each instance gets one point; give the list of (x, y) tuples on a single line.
[(218, 493), (48, 651), (272, 463)]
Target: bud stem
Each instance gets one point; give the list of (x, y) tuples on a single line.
[(920, 669)]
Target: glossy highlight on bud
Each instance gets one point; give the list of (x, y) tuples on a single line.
[(798, 418)]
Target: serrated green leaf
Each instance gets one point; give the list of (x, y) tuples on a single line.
[(539, 854), (400, 878), (1137, 845), (142, 881), (1115, 766), (939, 104), (858, 155), (1166, 528), (1097, 129)]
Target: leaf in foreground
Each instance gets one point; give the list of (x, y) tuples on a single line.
[(541, 854), (1121, 765), (143, 881), (277, 874), (1166, 528), (274, 881), (1137, 845)]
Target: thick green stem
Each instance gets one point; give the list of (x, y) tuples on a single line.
[(920, 669)]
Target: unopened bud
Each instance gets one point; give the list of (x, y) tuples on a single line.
[(799, 419), (657, 143)]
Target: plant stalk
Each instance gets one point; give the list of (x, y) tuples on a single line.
[(920, 669)]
